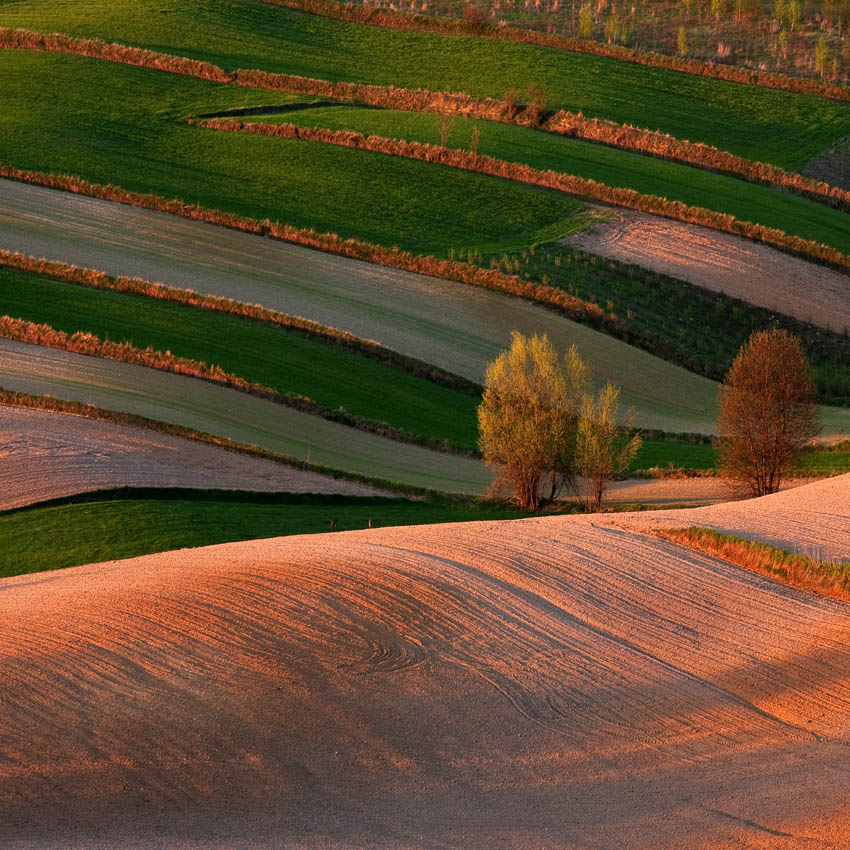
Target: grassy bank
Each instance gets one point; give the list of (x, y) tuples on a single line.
[(780, 127), (126, 523)]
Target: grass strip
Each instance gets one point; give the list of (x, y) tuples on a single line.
[(396, 19), (127, 523), (562, 122), (12, 398), (823, 577), (567, 183), (89, 344), (306, 327)]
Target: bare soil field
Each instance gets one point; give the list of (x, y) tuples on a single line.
[(723, 263), (811, 520), (547, 683), (46, 455), (452, 325)]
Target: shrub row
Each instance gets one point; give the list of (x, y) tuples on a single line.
[(86, 343), (359, 14), (10, 398), (331, 243), (305, 327), (568, 183), (627, 137)]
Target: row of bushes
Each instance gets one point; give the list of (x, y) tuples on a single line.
[(11, 398), (393, 257), (568, 183), (360, 14), (305, 327), (86, 343), (627, 137)]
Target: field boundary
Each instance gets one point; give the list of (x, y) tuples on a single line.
[(392, 19), (567, 183), (90, 345), (800, 571), (12, 398), (654, 143), (253, 312)]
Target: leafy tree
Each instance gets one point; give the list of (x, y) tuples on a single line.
[(767, 411), (446, 124), (602, 452), (585, 21), (682, 42), (529, 417)]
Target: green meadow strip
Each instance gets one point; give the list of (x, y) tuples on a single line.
[(90, 345), (310, 329), (567, 183), (563, 122), (11, 398), (391, 19)]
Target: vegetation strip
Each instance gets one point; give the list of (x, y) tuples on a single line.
[(391, 19), (331, 243), (12, 398), (567, 183), (137, 286), (823, 577), (90, 345), (626, 137)]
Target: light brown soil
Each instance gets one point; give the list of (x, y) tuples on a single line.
[(723, 263), (550, 683), (46, 455)]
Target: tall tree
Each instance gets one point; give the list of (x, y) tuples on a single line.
[(528, 419), (767, 411)]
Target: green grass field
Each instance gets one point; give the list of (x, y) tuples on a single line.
[(746, 201), (130, 135), (283, 360), (773, 126), (125, 524)]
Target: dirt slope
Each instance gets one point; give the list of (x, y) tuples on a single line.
[(46, 455), (724, 263), (549, 683)]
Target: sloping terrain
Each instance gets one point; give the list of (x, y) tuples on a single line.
[(811, 520), (224, 412), (724, 263), (46, 455), (537, 684)]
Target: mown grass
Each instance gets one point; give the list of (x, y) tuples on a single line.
[(694, 327), (272, 356), (116, 124), (128, 523), (779, 127), (808, 573), (614, 167)]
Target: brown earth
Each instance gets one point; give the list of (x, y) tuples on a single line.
[(723, 263), (831, 166), (562, 682), (47, 455)]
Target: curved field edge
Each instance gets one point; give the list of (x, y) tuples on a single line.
[(49, 455), (396, 19), (827, 578), (785, 128), (262, 361), (563, 122), (410, 662), (566, 183), (225, 412), (127, 522)]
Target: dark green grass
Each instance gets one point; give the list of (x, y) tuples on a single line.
[(283, 360), (746, 201), (671, 454), (124, 524), (694, 327), (110, 123), (757, 123)]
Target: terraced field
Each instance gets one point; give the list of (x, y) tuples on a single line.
[(772, 126), (558, 677)]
